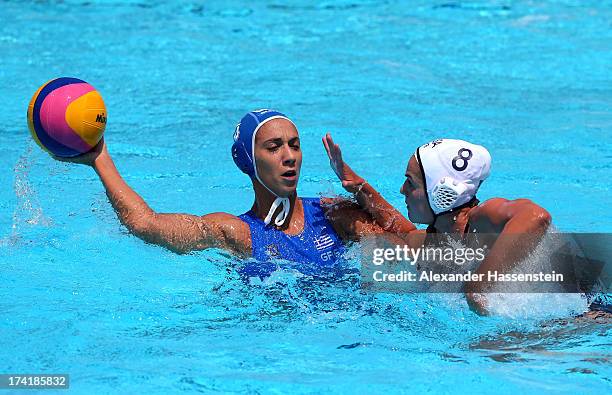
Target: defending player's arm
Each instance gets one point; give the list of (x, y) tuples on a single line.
[(521, 225), (370, 201), (179, 233)]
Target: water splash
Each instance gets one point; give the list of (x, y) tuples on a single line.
[(28, 211), (540, 305)]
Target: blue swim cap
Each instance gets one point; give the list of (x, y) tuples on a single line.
[(244, 138), (243, 152)]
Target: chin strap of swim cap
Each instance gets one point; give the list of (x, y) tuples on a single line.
[(243, 152), (284, 201), (282, 216), (417, 155), (452, 172)]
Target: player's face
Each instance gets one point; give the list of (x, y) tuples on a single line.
[(278, 156), (416, 197)]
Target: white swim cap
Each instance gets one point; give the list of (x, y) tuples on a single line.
[(452, 171)]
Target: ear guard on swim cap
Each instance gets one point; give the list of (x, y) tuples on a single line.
[(243, 151), (240, 154), (452, 172), (446, 193)]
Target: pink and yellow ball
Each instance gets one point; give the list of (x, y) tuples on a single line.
[(67, 117)]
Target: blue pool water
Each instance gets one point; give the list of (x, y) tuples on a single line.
[(529, 80)]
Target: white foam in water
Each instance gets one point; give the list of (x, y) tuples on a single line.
[(542, 305), (539, 305)]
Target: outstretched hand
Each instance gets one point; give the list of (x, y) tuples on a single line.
[(350, 181), (87, 158)]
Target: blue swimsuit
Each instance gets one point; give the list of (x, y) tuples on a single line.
[(318, 245)]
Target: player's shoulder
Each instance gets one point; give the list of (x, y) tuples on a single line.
[(498, 210), (488, 205), (234, 232), (341, 209), (502, 203), (339, 203), (489, 215), (223, 219)]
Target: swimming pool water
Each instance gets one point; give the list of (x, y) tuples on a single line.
[(529, 80)]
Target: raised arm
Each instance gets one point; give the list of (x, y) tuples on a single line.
[(179, 233), (383, 213)]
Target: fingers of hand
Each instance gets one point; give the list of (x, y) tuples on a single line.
[(326, 145), (337, 148)]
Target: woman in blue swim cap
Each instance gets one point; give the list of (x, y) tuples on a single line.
[(279, 225)]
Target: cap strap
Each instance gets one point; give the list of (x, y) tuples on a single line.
[(282, 216)]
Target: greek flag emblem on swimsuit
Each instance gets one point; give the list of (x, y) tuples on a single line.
[(323, 242)]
